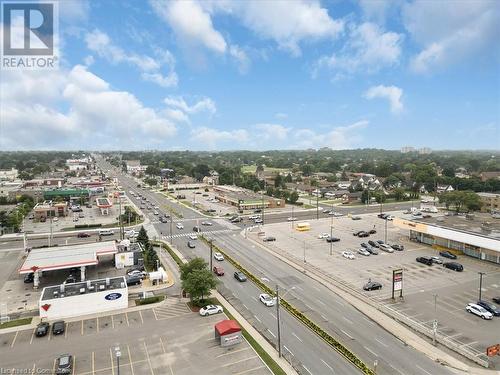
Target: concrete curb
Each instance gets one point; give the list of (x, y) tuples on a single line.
[(396, 329)]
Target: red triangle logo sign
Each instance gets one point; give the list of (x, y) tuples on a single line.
[(46, 307)]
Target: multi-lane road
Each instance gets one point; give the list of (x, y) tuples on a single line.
[(368, 340)]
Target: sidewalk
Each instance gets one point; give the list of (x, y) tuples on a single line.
[(398, 330)]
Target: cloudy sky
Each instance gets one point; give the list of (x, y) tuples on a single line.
[(216, 75)]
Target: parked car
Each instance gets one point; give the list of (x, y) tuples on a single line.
[(356, 217), (179, 226), (371, 249), (323, 235), (488, 306), (336, 214), (363, 234), (137, 273), (83, 235), (372, 285), (42, 329), (267, 300), (447, 254), (258, 221), (29, 278), (382, 216), (207, 223), (163, 219), (398, 247), (219, 257), (218, 270), (386, 248), (64, 364), (348, 255), (436, 260), (58, 327), (374, 244), (196, 229), (332, 239), (479, 311), (424, 260), (211, 310), (496, 299), (292, 219), (191, 245), (156, 213), (193, 237), (454, 266), (240, 276), (372, 231), (363, 252), (133, 280), (326, 211), (269, 239)]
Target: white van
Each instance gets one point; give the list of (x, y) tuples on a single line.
[(106, 232)]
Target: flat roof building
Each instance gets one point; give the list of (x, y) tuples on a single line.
[(245, 199), (491, 202)]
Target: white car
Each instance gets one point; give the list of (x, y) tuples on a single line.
[(156, 213), (157, 207), (267, 300), (193, 237), (207, 223), (386, 248), (179, 226), (479, 311), (437, 260), (336, 214), (258, 221), (131, 233), (323, 235), (211, 310), (219, 257), (364, 252), (253, 217), (291, 219), (348, 255)]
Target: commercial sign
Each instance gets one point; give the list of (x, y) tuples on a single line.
[(113, 296), (397, 282), (492, 351)]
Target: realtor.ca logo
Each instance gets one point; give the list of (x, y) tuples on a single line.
[(29, 35)]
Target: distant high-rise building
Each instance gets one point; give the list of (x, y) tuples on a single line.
[(424, 151), (406, 149)]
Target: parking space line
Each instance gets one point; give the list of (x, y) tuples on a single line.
[(305, 368), (14, 341), (149, 360), (53, 367), (50, 334), (420, 368), (154, 313), (82, 327), (93, 363), (112, 322), (297, 337), (74, 364), (232, 352), (327, 365), (345, 333), (239, 361), (268, 330), (162, 346), (66, 325), (249, 370), (371, 351), (381, 343), (140, 314), (111, 360), (130, 360), (126, 318), (256, 317), (97, 324), (32, 336)]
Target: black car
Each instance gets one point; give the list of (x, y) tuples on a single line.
[(363, 234), (372, 231), (29, 278), (398, 247), (240, 276), (58, 327), (191, 245), (269, 239), (425, 260), (372, 285), (454, 266), (373, 243), (357, 233), (42, 329), (365, 245), (447, 254), (496, 299), (380, 242), (332, 239), (372, 250), (382, 216), (64, 364), (196, 229), (132, 280), (490, 307), (163, 219)]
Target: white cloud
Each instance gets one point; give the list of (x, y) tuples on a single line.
[(209, 138), (272, 132), (288, 23), (100, 43), (281, 115), (392, 93), (340, 137), (71, 11), (241, 57), (89, 60), (94, 115), (377, 10), (468, 29), (368, 49), (202, 105), (190, 23)]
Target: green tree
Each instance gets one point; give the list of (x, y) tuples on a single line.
[(294, 197), (192, 265), (142, 237), (198, 284), (399, 194), (307, 169), (150, 181), (288, 178)]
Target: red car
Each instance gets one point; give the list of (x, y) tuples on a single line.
[(219, 271), (83, 235)]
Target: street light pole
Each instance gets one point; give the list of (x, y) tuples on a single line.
[(278, 319), (317, 206), (211, 250), (435, 322), (118, 354), (385, 231), (480, 283), (331, 242)]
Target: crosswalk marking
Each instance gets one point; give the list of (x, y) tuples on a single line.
[(171, 308), (180, 235)]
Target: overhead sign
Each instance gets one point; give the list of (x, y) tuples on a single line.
[(113, 296)]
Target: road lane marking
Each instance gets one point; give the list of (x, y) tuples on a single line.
[(321, 302), (381, 343), (347, 320), (327, 365), (271, 333), (245, 306), (324, 317), (256, 317), (420, 368), (305, 368), (298, 338), (348, 335), (274, 316), (309, 307), (288, 350), (130, 360), (149, 360), (14, 341), (371, 351), (32, 336)]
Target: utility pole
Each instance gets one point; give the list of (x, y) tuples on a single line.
[(304, 254), (50, 235), (210, 241), (480, 283), (385, 230), (171, 224), (317, 205), (120, 217), (278, 319), (435, 322), (331, 236)]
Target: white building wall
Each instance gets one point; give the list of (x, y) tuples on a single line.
[(83, 304)]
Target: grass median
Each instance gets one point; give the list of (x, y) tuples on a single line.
[(16, 323)]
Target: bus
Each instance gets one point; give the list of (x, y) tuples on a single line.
[(301, 227)]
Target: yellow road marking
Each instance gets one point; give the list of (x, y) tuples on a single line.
[(14, 341)]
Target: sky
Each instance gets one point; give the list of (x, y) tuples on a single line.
[(260, 75)]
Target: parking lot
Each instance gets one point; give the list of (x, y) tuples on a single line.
[(166, 339), (453, 289)]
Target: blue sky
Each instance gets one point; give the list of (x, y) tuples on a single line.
[(262, 75)]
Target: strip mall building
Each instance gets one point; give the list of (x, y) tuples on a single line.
[(474, 237)]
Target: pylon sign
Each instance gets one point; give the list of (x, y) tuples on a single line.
[(397, 282)]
